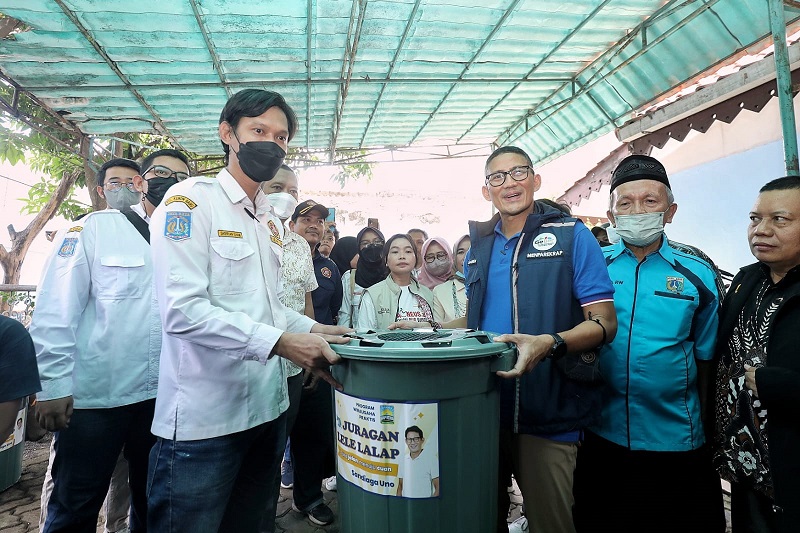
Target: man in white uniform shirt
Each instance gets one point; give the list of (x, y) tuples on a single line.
[(97, 334), (222, 393)]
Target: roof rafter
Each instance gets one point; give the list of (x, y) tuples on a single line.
[(324, 81), (113, 66), (406, 31), (212, 50), (311, 12), (605, 58), (510, 9), (348, 62), (537, 65)]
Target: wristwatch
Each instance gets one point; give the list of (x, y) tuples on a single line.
[(559, 348)]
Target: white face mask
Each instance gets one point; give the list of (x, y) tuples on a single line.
[(283, 204), (640, 230), (123, 198)]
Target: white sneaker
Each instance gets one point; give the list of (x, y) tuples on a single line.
[(520, 525), (330, 484)]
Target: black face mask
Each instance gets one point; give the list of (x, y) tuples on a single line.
[(372, 253), (157, 188), (260, 160)]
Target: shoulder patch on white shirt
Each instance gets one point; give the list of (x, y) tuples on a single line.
[(276, 236), (67, 248), (178, 225)]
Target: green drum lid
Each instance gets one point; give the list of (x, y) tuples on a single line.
[(421, 345)]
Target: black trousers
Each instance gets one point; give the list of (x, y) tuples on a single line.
[(86, 454), (312, 445), (622, 490), (751, 511)]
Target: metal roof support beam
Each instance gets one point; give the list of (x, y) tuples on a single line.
[(505, 137), (569, 36), (601, 61), (311, 9), (212, 50), (18, 90), (348, 63), (783, 77), (326, 81), (400, 46), (510, 9), (99, 49)]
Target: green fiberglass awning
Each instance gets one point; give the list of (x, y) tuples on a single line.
[(545, 75)]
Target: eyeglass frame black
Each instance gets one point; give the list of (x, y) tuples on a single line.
[(435, 257), (172, 173), (507, 173)]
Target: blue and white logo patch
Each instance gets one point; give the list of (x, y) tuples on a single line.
[(545, 241), (178, 225), (68, 247)]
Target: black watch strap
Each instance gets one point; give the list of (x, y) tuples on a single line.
[(559, 348)]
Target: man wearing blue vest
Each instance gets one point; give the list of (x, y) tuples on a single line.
[(645, 466), (537, 275)]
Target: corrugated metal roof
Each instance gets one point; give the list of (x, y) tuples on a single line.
[(545, 75)]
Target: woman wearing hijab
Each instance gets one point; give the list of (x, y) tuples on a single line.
[(437, 262), (345, 253), (450, 297), (370, 269), (399, 297)]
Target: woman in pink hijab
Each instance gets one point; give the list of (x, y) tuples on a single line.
[(437, 262)]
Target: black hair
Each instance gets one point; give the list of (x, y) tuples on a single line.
[(415, 429), (116, 162), (252, 103), (147, 162), (782, 184), (508, 150), (393, 238), (412, 230), (287, 167)]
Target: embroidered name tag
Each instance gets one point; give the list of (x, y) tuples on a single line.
[(75, 228), (229, 233), (178, 225), (180, 198)]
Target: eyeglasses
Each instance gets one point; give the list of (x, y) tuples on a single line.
[(365, 243), (496, 179), (430, 258), (115, 186), (166, 172), (413, 439)]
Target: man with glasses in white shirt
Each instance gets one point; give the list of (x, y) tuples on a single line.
[(97, 334)]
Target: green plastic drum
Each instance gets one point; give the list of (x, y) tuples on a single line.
[(11, 452), (398, 384)]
